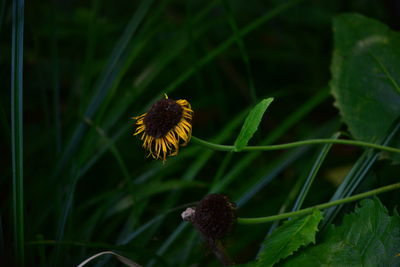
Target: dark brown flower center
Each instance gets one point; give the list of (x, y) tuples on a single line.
[(215, 216), (162, 117)]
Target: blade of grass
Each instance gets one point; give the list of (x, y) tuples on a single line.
[(222, 168), (91, 162), (356, 175), (195, 49), (134, 219), (288, 201), (65, 212), (242, 48), (189, 245), (128, 238), (96, 215), (131, 236), (122, 259), (117, 155), (87, 73), (313, 173), (96, 200), (371, 157), (226, 44), (56, 80), (104, 84), (171, 238), (272, 173), (193, 53), (114, 150), (352, 179), (17, 128), (96, 156)]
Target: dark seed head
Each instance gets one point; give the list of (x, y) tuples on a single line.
[(215, 216), (162, 117)]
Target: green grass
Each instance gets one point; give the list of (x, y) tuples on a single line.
[(75, 182), (17, 131)]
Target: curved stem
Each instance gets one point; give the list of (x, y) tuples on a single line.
[(318, 207), (210, 145), (294, 144)]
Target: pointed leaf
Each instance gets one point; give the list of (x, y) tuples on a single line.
[(251, 123), (288, 238)]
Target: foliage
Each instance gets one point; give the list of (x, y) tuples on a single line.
[(251, 123), (365, 76), (367, 237), (288, 238)]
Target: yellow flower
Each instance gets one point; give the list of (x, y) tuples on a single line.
[(165, 127)]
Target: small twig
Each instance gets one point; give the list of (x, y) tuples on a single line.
[(219, 251)]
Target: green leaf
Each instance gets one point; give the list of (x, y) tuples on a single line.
[(367, 237), (288, 238), (366, 76), (251, 123)]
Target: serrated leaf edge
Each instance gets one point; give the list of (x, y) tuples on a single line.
[(309, 217)]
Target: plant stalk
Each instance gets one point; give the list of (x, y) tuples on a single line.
[(318, 207), (230, 148)]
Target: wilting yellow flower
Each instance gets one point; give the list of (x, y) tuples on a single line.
[(165, 127)]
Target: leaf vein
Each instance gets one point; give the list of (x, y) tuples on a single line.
[(386, 71)]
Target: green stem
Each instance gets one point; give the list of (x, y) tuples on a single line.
[(318, 207), (293, 144), (212, 146)]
